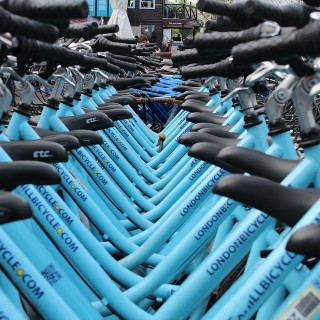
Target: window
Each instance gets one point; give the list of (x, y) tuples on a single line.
[(131, 4), (147, 4)]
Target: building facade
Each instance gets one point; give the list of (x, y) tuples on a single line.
[(157, 17), (154, 18), (147, 15)]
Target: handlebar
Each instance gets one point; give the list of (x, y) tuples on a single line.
[(304, 41), (43, 9), (26, 27)]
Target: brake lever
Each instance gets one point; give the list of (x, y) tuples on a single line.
[(265, 69), (25, 88), (234, 92), (9, 72), (37, 78)]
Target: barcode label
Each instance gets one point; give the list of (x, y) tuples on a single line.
[(307, 304), (304, 307), (51, 274)]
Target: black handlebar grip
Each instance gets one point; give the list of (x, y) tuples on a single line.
[(304, 41), (99, 63), (112, 28), (143, 49), (140, 68), (122, 64), (143, 54), (223, 40), (211, 25), (297, 15), (183, 57), (214, 7), (56, 53), (122, 58), (155, 64), (43, 9), (143, 61), (152, 49), (103, 44), (223, 23), (77, 31), (190, 56), (234, 10), (147, 62), (26, 27), (215, 40), (223, 68), (115, 38), (92, 24), (157, 58)]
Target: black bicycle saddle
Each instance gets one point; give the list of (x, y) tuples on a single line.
[(110, 106), (199, 126), (127, 94), (113, 114), (208, 117), (123, 100), (208, 151), (125, 83), (13, 208), (183, 89), (192, 83), (67, 141), (198, 96), (220, 133), (258, 163), (84, 137), (130, 92), (182, 95), (286, 204), (190, 138), (39, 150), (94, 121), (306, 241), (195, 106), (18, 173)]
